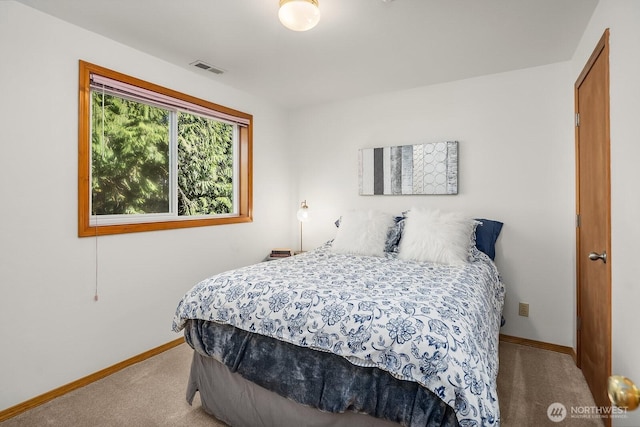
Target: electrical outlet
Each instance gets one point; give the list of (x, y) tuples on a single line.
[(523, 309)]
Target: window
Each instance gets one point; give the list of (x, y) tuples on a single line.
[(150, 158)]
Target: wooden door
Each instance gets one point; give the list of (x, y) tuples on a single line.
[(593, 230)]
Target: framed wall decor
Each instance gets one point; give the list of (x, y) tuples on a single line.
[(430, 168)]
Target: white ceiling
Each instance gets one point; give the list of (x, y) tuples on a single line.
[(360, 47)]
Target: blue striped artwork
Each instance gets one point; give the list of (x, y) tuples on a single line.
[(430, 168)]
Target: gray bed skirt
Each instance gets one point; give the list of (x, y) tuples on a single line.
[(240, 403), (247, 379)]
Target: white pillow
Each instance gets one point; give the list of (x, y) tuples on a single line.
[(434, 236), (362, 233)]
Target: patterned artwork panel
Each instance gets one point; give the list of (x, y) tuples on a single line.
[(430, 168)]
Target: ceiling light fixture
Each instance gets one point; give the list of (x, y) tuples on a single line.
[(299, 15)]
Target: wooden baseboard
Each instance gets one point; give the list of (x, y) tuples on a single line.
[(50, 395), (539, 344)]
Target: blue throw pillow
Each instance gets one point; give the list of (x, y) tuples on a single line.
[(487, 233), (394, 235)]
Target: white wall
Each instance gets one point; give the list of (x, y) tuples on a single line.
[(51, 330), (623, 18), (516, 165)]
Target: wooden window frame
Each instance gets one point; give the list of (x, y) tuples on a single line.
[(245, 161)]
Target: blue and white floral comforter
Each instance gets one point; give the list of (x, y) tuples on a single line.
[(433, 324)]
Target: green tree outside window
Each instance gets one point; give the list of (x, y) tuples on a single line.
[(131, 173)]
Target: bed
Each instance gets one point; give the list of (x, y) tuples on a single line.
[(330, 338)]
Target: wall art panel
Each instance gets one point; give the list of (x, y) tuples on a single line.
[(430, 168)]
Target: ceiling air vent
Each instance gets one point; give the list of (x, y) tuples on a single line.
[(208, 67)]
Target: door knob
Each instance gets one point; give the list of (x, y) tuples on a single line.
[(594, 256), (622, 392)]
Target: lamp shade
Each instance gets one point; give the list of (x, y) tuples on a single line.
[(303, 212), (299, 15)]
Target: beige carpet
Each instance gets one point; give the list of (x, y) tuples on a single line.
[(531, 379), (152, 393)]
